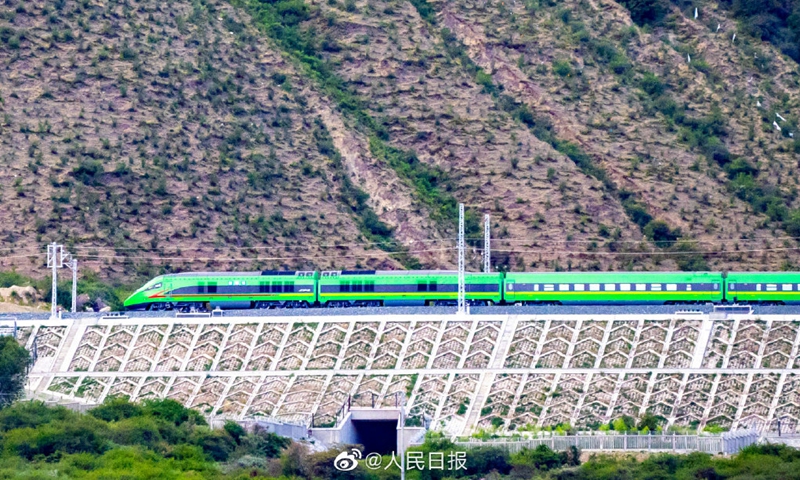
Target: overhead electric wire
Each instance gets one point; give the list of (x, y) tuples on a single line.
[(660, 253), (335, 245), (251, 259), (401, 248), (712, 242)]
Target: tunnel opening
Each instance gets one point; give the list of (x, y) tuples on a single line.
[(377, 436)]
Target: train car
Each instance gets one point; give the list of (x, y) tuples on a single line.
[(360, 288), (776, 288), (613, 288), (208, 290)]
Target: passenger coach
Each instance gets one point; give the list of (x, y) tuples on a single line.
[(406, 288), (613, 288), (763, 288)]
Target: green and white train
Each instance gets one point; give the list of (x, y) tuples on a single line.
[(369, 288)]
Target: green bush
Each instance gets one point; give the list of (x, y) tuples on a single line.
[(116, 408), (660, 233), (646, 12), (8, 279), (263, 444), (562, 68), (218, 445), (31, 414), (542, 458), (142, 431), (52, 440), (652, 85), (14, 363), (483, 460), (236, 431), (173, 412), (88, 172)]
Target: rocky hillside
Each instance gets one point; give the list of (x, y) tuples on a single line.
[(322, 133)]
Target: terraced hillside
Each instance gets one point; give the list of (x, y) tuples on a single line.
[(495, 372), (320, 133)]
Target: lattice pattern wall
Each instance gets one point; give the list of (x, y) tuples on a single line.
[(463, 373)]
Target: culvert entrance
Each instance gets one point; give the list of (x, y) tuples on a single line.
[(377, 436), (377, 429)]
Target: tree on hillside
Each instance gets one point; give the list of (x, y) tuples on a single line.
[(14, 361)]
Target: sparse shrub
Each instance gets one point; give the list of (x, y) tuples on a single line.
[(88, 172), (690, 259), (562, 68), (660, 233), (652, 85), (646, 12)]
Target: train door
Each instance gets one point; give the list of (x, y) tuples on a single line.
[(508, 296)]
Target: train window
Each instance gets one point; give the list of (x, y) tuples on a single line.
[(595, 287), (610, 287), (549, 288), (276, 287), (563, 287), (212, 288), (655, 287), (288, 287), (731, 286), (369, 287), (201, 288), (344, 287), (641, 287), (771, 287), (625, 287), (263, 287), (432, 286), (157, 285), (758, 287), (786, 287), (672, 287), (579, 287), (358, 287), (422, 287)]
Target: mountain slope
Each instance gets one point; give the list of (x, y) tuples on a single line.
[(327, 134)]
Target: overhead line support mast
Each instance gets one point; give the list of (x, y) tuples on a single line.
[(462, 301), (57, 258), (487, 255)]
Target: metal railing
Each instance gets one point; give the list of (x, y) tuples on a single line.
[(727, 443), (364, 400), (9, 329)]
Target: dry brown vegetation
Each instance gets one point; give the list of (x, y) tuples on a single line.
[(148, 133)]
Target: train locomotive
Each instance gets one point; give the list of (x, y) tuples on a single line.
[(202, 291)]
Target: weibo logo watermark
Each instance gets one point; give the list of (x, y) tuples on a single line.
[(347, 461), (454, 460)]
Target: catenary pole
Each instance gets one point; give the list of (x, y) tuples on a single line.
[(52, 262), (74, 285), (462, 303), (487, 255)]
